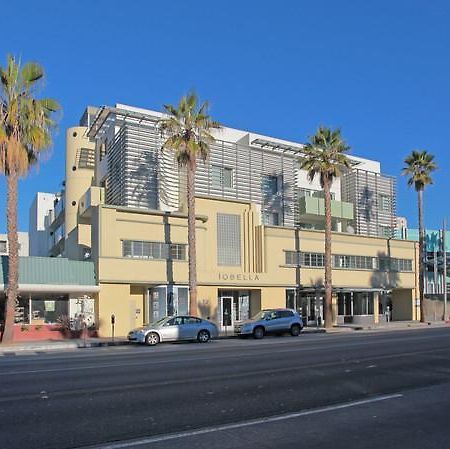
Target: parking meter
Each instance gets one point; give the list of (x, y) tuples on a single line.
[(113, 322)]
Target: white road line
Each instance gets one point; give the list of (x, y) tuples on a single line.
[(242, 424)]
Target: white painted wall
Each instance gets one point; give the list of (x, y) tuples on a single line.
[(41, 206), (23, 244)]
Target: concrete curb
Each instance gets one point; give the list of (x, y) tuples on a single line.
[(57, 346)]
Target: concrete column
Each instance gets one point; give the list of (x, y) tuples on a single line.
[(334, 304), (376, 302)]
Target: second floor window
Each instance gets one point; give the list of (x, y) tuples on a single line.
[(153, 250)]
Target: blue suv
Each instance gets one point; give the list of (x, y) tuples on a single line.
[(271, 321)]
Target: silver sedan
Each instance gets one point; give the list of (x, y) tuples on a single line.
[(175, 328)]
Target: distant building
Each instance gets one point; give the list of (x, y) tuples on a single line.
[(41, 208), (23, 244), (434, 278)]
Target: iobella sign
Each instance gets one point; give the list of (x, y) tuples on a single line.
[(238, 277)]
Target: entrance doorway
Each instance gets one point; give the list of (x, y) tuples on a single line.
[(234, 305)]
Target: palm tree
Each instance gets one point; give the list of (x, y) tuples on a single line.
[(419, 165), (25, 131), (325, 156), (188, 133)]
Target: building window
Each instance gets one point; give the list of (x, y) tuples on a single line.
[(3, 246), (384, 202), (348, 261), (153, 250), (292, 258), (270, 185), (221, 177), (357, 262), (228, 240), (304, 259), (385, 231)]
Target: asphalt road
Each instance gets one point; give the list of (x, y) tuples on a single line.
[(359, 390)]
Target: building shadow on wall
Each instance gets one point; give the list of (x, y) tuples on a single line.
[(384, 277), (367, 204), (282, 202), (145, 191)]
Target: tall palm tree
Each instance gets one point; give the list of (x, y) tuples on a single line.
[(325, 156), (25, 131), (187, 130), (418, 166)]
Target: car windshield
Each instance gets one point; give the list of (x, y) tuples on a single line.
[(160, 321), (262, 315)]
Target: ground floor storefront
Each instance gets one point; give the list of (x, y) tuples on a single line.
[(56, 299), (52, 316), (121, 307)]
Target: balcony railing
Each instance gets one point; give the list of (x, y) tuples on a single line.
[(313, 206)]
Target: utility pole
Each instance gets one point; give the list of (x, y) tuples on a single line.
[(444, 251)]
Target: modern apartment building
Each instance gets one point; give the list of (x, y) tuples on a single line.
[(259, 228)]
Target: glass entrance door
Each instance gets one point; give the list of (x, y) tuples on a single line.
[(226, 313)]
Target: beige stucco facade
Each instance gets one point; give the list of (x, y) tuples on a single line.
[(262, 273), (135, 289)]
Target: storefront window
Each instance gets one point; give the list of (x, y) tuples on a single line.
[(363, 303), (290, 299), (22, 315), (48, 310), (168, 301), (183, 301)]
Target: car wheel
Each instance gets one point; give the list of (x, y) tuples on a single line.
[(258, 333), (203, 336), (295, 330), (152, 339)]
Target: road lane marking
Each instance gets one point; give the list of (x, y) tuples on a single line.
[(242, 424)]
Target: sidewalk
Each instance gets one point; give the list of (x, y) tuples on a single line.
[(45, 346), (50, 345)]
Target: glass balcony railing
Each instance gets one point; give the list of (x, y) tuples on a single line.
[(314, 206)]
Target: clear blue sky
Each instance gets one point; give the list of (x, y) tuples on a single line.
[(380, 70)]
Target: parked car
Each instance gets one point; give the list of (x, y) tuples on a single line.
[(272, 321), (175, 328)]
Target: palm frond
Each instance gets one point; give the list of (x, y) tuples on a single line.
[(324, 155), (26, 122), (187, 129), (418, 167)]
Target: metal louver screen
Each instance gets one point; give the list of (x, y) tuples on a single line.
[(228, 240)]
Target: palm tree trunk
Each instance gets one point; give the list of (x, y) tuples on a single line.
[(421, 256), (191, 169), (328, 312), (13, 257)]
